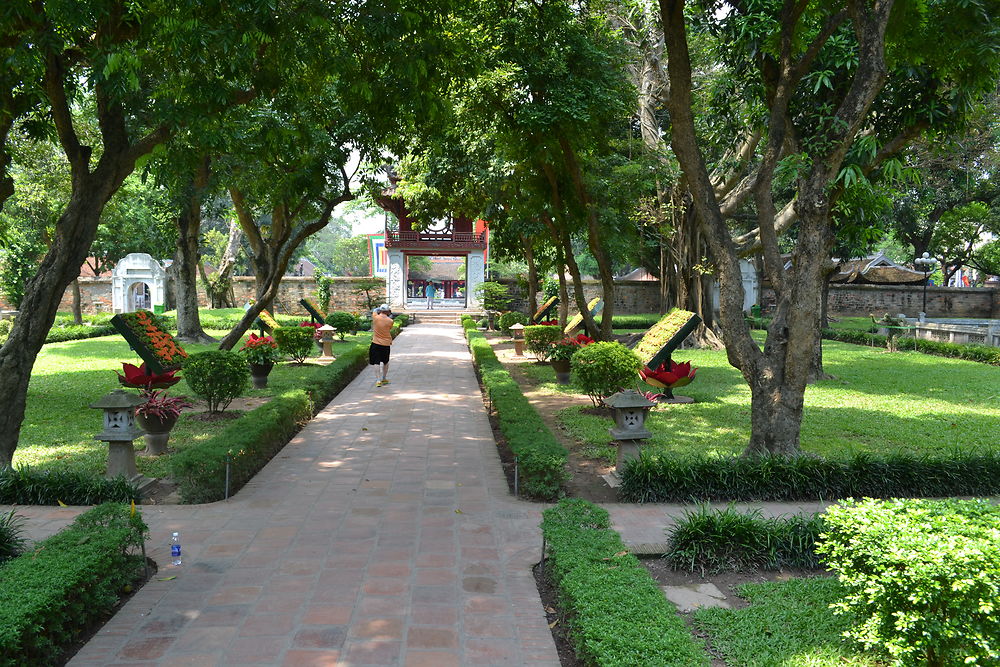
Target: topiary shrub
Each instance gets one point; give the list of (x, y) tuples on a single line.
[(296, 342), (922, 577), (601, 369), (343, 322), (539, 338), (508, 319), (219, 376)]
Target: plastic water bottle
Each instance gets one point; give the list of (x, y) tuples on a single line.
[(175, 549)]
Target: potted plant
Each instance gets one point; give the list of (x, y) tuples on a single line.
[(157, 417), (260, 352), (562, 351), (159, 413)]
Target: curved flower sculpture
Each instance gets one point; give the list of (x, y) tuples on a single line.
[(140, 378), (678, 375)]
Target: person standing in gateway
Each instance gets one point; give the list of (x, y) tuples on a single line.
[(378, 351), (429, 291)]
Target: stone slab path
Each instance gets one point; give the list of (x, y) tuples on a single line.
[(383, 534)]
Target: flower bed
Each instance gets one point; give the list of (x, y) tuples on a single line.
[(150, 340)]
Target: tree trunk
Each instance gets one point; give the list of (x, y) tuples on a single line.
[(77, 309), (775, 419), (186, 258), (529, 258), (75, 231)]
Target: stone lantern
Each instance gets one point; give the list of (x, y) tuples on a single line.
[(326, 338), (119, 432), (517, 331), (631, 409)]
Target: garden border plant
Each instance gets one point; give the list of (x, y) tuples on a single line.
[(660, 479), (541, 458), (615, 612), (257, 436), (49, 594), (708, 540)]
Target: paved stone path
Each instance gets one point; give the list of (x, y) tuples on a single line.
[(383, 534)]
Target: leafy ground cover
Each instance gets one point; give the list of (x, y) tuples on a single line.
[(787, 623), (879, 403), (58, 427)]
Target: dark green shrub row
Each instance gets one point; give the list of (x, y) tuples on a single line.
[(26, 486), (922, 577), (710, 541), (66, 583), (468, 323), (257, 436), (541, 459), (72, 332), (654, 479), (984, 354), (403, 319), (616, 613), (12, 540), (90, 319)]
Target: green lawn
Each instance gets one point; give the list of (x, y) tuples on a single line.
[(788, 624), (879, 403), (58, 427)]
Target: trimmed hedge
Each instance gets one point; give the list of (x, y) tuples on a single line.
[(654, 479), (637, 321), (54, 591), (922, 577), (710, 541), (256, 437), (81, 332), (984, 354), (615, 612), (541, 459), (26, 486)]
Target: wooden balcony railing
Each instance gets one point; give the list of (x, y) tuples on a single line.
[(395, 239)]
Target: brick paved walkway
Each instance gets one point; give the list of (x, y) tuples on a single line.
[(383, 534)]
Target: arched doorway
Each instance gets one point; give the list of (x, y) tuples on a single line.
[(139, 297)]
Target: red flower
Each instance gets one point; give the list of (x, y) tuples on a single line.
[(679, 375), (140, 378)]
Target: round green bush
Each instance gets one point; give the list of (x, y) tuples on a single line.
[(508, 319), (601, 369), (539, 338), (5, 327), (343, 322), (218, 376), (296, 342)]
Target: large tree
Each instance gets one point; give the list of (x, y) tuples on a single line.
[(842, 87), (150, 67)]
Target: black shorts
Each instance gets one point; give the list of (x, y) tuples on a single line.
[(378, 354)]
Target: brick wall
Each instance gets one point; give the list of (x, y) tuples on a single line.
[(631, 296), (862, 300), (95, 294)]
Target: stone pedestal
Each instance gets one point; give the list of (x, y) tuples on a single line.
[(121, 460), (627, 451)]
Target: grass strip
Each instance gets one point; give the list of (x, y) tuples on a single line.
[(616, 613), (51, 593), (658, 479), (788, 623), (259, 434), (541, 458)]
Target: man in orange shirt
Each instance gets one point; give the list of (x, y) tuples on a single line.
[(378, 351)]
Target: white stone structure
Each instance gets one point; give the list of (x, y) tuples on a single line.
[(475, 273), (138, 282), (395, 281), (751, 287)]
